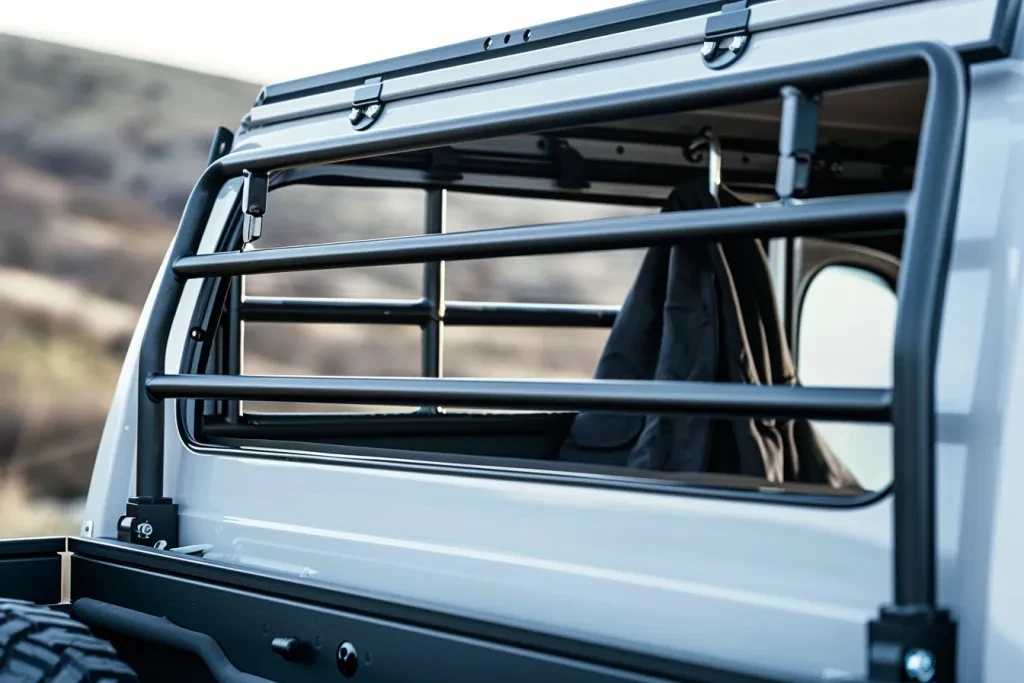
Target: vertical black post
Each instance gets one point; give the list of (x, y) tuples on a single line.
[(433, 289), (151, 517), (789, 294), (232, 331)]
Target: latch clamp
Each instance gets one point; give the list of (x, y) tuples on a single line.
[(255, 187), (366, 104), (726, 35)]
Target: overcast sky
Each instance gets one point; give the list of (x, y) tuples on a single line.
[(265, 41)]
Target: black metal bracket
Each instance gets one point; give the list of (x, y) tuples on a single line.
[(366, 104), (798, 141), (570, 167), (444, 165), (147, 521), (916, 643), (726, 35)]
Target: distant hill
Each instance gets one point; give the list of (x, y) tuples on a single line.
[(97, 156), (134, 128)]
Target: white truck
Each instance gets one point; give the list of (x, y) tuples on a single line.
[(797, 457)]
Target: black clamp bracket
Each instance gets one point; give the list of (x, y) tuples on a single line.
[(255, 187), (366, 104), (149, 521), (912, 643), (726, 35), (798, 141), (570, 166), (443, 165)]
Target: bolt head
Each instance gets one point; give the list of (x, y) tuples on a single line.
[(708, 48), (737, 43), (355, 116), (920, 665), (347, 660)]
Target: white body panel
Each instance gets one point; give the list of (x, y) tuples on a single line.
[(785, 588)]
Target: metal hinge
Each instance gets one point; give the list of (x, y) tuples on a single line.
[(726, 35), (366, 104)]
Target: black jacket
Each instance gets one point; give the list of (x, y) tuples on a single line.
[(703, 311)]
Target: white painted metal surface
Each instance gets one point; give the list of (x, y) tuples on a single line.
[(785, 588)]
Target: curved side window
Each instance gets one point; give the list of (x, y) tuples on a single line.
[(846, 329)]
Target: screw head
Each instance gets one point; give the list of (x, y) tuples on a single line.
[(347, 659), (736, 44), (355, 116), (708, 47), (920, 665)]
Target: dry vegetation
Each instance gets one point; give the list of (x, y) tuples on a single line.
[(97, 155)]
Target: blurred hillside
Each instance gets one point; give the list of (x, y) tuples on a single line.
[(97, 156)]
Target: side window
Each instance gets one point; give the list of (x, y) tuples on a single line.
[(532, 247), (310, 215), (597, 278), (847, 321)]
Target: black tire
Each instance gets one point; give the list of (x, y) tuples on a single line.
[(42, 645)]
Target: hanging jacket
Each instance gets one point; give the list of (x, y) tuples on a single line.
[(702, 311)]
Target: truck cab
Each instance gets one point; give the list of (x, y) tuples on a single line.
[(789, 454)]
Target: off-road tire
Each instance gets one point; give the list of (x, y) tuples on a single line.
[(42, 645)]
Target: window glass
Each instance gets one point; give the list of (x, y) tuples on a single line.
[(847, 326)]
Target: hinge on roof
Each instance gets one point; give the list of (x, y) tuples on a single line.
[(366, 104), (726, 35)]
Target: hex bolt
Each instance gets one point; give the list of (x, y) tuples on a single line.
[(708, 47), (348, 659), (920, 665)]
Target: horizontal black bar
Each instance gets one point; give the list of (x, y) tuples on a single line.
[(485, 314), (409, 312), (709, 398), (44, 545), (812, 217), (266, 309), (160, 631)]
